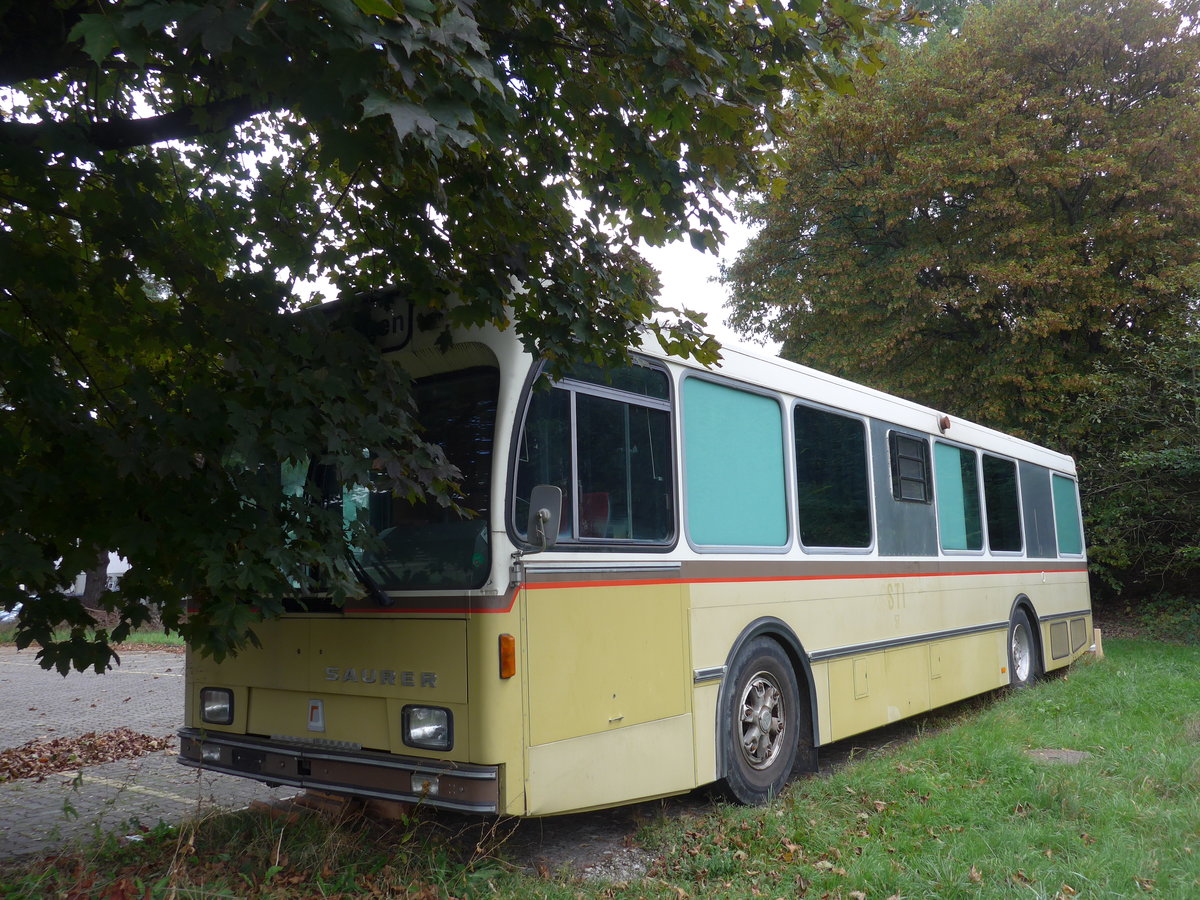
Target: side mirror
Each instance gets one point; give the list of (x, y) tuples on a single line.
[(545, 513)]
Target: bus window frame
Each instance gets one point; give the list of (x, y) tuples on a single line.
[(573, 542), (789, 474), (987, 543), (1082, 554), (894, 431), (975, 451), (873, 523)]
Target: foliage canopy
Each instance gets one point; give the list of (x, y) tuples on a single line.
[(1003, 224), (171, 169)]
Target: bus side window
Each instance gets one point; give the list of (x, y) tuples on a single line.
[(734, 467), (833, 486), (1003, 505), (607, 444), (960, 522), (1067, 529)]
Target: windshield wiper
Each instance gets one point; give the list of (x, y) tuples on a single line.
[(374, 591)]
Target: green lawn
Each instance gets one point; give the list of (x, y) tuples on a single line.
[(964, 810)]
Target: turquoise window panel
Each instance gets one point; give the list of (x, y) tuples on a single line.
[(960, 522), (733, 452), (1066, 515)]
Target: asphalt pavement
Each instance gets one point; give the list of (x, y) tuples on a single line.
[(145, 694)]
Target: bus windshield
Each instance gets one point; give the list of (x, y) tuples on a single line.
[(424, 545)]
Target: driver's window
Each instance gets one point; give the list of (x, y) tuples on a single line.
[(606, 442)]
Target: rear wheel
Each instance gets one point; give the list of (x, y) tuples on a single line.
[(1023, 667), (762, 722)]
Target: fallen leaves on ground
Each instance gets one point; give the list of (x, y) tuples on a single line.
[(37, 759)]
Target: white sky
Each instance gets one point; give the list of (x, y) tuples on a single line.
[(689, 279)]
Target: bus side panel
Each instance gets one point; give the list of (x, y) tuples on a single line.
[(609, 694), (847, 624), (635, 763), (966, 666), (704, 725), (604, 657), (874, 689)]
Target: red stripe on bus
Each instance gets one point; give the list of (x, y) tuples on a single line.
[(653, 582), (549, 585)]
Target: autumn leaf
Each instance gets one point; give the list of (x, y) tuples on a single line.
[(37, 759)]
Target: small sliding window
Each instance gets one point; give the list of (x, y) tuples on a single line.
[(910, 468)]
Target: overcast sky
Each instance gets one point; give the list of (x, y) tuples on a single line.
[(688, 278)]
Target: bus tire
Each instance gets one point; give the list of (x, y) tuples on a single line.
[(761, 722), (1023, 668)]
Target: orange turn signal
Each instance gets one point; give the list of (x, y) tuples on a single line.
[(508, 656)]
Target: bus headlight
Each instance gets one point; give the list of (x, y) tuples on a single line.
[(428, 727), (216, 706)]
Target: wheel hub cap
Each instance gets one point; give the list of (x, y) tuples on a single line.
[(762, 721)]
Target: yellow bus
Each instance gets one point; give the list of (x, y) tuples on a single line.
[(678, 576)]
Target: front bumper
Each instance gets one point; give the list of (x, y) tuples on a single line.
[(447, 785)]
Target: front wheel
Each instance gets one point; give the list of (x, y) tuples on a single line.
[(1023, 665), (762, 721)]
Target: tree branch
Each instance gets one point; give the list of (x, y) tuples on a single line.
[(122, 134)]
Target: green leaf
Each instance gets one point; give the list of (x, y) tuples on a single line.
[(382, 8), (98, 34)]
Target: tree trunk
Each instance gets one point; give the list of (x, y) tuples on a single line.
[(96, 582)]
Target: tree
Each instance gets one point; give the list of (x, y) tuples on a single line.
[(1142, 484), (169, 170), (990, 212), (1000, 221)]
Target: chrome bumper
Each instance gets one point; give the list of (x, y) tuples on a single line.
[(362, 773)]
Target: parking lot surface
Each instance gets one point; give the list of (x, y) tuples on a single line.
[(145, 694)]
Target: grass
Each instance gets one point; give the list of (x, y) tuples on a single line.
[(151, 638), (962, 811)]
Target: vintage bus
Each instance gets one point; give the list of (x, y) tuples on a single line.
[(678, 576)]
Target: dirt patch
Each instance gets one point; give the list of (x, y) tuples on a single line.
[(1192, 730), (135, 647), (1116, 620), (596, 846), (1068, 757)]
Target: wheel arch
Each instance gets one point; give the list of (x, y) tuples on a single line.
[(781, 633), (1023, 603)]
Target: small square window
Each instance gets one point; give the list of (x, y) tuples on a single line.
[(910, 468)]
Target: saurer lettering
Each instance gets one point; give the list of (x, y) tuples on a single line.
[(390, 677)]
